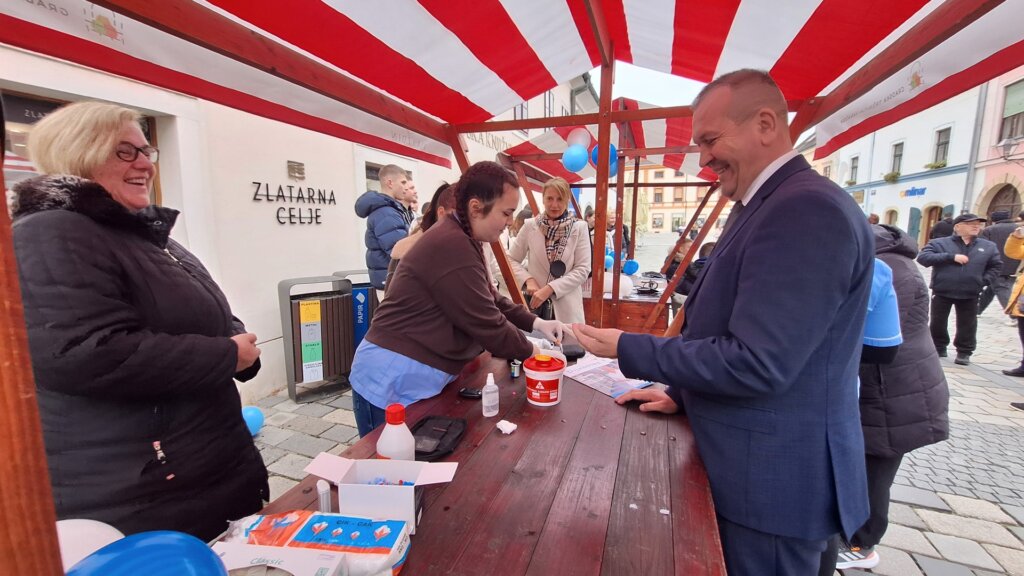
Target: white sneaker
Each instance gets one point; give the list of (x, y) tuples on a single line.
[(856, 557)]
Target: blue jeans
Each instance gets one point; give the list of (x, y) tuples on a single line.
[(367, 415)]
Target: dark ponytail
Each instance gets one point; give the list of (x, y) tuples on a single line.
[(484, 181), (444, 197)]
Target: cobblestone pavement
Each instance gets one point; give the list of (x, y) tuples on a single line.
[(958, 506)]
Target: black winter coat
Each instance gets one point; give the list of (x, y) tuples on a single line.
[(998, 233), (133, 361), (942, 229), (961, 281), (904, 405)]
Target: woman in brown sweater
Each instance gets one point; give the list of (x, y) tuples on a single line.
[(441, 310)]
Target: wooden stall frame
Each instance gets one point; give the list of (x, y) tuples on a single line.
[(28, 539), (674, 281)]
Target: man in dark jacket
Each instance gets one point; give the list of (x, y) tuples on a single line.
[(1000, 229), (387, 220), (943, 228), (962, 264)]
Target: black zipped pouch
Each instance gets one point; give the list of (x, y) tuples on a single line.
[(437, 436)]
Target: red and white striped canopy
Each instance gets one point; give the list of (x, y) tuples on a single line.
[(466, 61)]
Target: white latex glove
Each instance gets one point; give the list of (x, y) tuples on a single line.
[(551, 329)]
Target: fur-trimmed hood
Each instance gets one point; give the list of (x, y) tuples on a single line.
[(86, 197)]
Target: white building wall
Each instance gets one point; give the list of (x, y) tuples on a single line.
[(917, 186)]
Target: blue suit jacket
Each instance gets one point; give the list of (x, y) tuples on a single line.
[(766, 365)]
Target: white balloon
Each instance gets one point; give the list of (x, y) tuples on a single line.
[(79, 538), (625, 285), (579, 136)]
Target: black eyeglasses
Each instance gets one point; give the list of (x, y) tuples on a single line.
[(129, 152)]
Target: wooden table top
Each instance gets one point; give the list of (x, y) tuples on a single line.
[(583, 487)]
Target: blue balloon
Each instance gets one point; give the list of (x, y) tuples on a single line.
[(608, 251), (253, 417), (613, 168), (160, 553), (614, 157), (630, 267), (576, 194), (609, 261), (574, 158)]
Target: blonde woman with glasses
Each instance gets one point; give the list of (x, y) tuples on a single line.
[(133, 345)]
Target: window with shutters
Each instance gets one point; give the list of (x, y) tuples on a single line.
[(1013, 112)]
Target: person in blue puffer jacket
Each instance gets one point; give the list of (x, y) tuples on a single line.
[(387, 220)]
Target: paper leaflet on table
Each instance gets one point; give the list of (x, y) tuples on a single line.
[(603, 375)]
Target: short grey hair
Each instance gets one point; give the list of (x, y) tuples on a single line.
[(77, 138), (759, 89)]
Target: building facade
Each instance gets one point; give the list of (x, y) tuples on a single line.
[(663, 207), (999, 177), (913, 171)]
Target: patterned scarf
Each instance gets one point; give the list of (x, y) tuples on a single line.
[(556, 233)]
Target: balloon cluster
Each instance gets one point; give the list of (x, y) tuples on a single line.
[(629, 267), (575, 157)]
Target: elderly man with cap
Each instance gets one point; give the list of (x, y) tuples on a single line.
[(962, 264), (998, 231)]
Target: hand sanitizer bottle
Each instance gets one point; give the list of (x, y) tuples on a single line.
[(490, 397), (396, 441)]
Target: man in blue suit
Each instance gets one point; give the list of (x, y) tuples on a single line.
[(766, 365)]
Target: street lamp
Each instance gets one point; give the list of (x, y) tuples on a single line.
[(1007, 146)]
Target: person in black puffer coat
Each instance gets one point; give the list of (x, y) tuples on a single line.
[(904, 404), (943, 228), (133, 344), (997, 232)]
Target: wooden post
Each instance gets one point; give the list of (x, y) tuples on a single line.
[(620, 179), (674, 281), (676, 327), (459, 149), (28, 529), (686, 232), (604, 132), (527, 189), (636, 189)]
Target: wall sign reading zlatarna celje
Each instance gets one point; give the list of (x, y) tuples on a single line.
[(310, 197)]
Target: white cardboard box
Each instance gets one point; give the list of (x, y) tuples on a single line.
[(298, 561), (357, 497)]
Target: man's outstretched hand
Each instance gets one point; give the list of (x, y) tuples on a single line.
[(602, 342), (651, 400)]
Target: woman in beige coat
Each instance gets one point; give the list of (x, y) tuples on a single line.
[(556, 248)]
